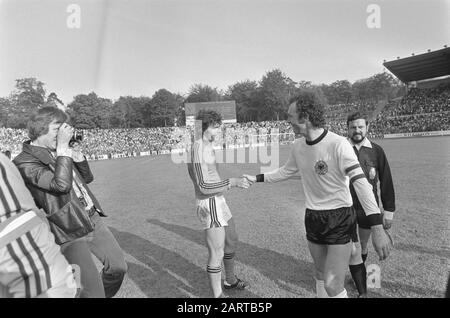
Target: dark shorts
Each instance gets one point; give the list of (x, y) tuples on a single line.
[(331, 227), (363, 221)]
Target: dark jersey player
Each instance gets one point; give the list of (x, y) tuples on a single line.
[(374, 163)]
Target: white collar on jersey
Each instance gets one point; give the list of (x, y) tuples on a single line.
[(365, 143)]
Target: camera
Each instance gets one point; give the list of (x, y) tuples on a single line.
[(77, 136)]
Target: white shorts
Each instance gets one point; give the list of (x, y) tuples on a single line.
[(213, 212)]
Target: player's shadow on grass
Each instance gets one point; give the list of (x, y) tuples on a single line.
[(395, 288), (284, 270), (422, 249), (166, 274)]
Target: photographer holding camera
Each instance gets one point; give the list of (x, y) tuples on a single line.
[(57, 176)]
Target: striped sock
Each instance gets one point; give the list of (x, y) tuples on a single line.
[(215, 277), (228, 262), (342, 294), (320, 289)]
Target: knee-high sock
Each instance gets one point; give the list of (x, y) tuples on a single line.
[(342, 294), (215, 279), (228, 262), (359, 275), (320, 289)]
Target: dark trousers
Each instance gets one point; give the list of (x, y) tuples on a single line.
[(104, 246)]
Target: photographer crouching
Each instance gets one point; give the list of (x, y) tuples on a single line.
[(57, 176)]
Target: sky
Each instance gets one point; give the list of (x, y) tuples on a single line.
[(136, 47)]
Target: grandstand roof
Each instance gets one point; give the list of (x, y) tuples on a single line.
[(422, 66)]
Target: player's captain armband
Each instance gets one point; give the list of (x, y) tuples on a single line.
[(375, 219)]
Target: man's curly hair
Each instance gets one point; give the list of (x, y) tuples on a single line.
[(357, 115), (309, 107), (208, 118)]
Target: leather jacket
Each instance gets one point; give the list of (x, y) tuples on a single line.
[(50, 183)]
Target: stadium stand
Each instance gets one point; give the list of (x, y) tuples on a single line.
[(419, 110)]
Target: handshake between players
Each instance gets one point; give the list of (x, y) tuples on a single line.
[(326, 163)]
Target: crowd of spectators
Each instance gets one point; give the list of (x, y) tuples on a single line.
[(252, 133), (419, 110), (421, 101), (128, 141), (337, 113)]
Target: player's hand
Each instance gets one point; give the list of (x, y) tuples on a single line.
[(77, 153), (65, 133), (251, 179), (240, 183), (381, 241)]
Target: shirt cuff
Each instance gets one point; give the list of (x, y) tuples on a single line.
[(389, 215), (65, 152), (375, 219), (260, 177)]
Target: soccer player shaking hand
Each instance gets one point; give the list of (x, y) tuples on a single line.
[(212, 209), (326, 163)]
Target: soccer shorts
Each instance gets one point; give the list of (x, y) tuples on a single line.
[(213, 212), (31, 264), (362, 219), (331, 227)]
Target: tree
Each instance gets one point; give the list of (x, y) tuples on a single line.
[(343, 91), (305, 85), (28, 96), (382, 86), (203, 93), (180, 114), (90, 111), (338, 92), (5, 107), (54, 101), (275, 92), (29, 93), (246, 96), (164, 105), (130, 112)]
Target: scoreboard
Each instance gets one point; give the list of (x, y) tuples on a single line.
[(226, 108)]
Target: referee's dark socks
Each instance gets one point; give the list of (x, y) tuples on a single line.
[(364, 257), (228, 262), (359, 275)]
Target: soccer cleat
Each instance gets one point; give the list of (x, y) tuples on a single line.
[(239, 284)]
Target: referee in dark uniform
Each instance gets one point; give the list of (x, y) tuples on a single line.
[(375, 165)]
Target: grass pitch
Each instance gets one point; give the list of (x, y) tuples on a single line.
[(150, 201)]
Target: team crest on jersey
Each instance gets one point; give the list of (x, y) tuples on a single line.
[(321, 167)]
